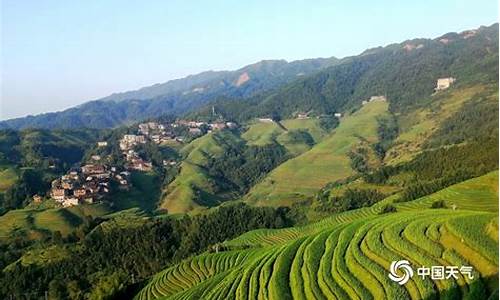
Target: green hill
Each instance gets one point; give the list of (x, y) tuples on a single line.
[(348, 255), (35, 223), (327, 161), (193, 187), (8, 176), (296, 135), (197, 186)]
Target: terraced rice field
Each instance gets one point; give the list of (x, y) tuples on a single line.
[(349, 255)]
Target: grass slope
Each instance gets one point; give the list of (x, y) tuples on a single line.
[(325, 162), (193, 188), (8, 176), (260, 134), (37, 222), (348, 255), (417, 126)]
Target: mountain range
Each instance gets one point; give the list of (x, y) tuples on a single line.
[(174, 97)]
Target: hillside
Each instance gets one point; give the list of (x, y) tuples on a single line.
[(203, 179), (348, 255), (193, 187), (35, 223), (174, 97), (327, 161)]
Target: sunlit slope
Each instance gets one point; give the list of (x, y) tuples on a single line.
[(193, 188), (474, 194), (418, 125), (325, 162), (348, 256), (261, 133), (8, 176), (35, 222)]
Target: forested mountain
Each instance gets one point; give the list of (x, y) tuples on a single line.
[(174, 97), (405, 73)]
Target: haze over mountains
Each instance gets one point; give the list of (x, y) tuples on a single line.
[(330, 84), (175, 96)]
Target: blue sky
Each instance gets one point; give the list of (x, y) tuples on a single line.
[(56, 54)]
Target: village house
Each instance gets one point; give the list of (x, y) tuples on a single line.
[(302, 116), (132, 138), (169, 162), (181, 123), (265, 120), (374, 99), (144, 128), (92, 187), (217, 126), (105, 175), (93, 169), (102, 144), (337, 115), (37, 198), (153, 125), (58, 193), (156, 138), (67, 185), (377, 98), (79, 192), (141, 165), (231, 124), (195, 131), (67, 202), (88, 200), (444, 83), (55, 183)]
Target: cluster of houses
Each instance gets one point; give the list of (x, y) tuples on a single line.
[(88, 184), (156, 132), (159, 133), (195, 127), (134, 161)]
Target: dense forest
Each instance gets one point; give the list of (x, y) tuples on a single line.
[(239, 168)]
